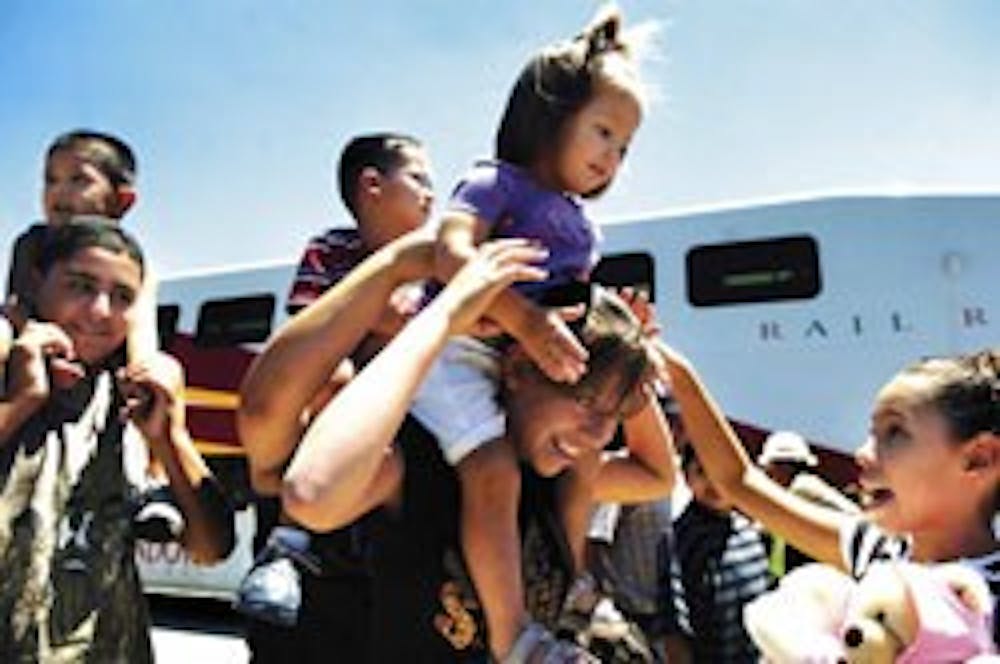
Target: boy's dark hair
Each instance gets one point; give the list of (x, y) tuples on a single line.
[(63, 242), (110, 154), (552, 87), (382, 151)]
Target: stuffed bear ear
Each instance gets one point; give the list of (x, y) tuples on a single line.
[(967, 585)]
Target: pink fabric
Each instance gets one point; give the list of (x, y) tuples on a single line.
[(949, 630)]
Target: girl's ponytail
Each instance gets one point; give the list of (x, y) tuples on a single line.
[(603, 34)]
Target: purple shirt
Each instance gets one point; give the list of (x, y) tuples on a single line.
[(509, 200)]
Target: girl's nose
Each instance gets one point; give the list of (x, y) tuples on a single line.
[(864, 456)]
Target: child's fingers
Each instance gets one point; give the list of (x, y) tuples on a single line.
[(572, 312), (64, 373)]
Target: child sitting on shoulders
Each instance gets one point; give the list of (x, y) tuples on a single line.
[(567, 125), (384, 181), (91, 173)]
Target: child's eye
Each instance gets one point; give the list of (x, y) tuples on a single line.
[(603, 131), (893, 435), (122, 298), (80, 286)]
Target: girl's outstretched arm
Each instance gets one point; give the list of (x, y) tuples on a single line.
[(301, 357), (809, 527), (347, 448)]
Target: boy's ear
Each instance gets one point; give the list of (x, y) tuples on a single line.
[(126, 198), (370, 181), (982, 453)]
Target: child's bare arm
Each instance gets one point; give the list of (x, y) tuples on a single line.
[(143, 338), (154, 395), (648, 471), (346, 449), (541, 332), (301, 356), (809, 527)]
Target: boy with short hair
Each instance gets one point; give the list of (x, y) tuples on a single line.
[(92, 174), (384, 181), (720, 564), (70, 589), (86, 173)]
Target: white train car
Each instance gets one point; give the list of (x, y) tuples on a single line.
[(794, 311)]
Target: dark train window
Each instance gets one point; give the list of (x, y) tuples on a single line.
[(235, 320), (167, 316), (772, 270), (620, 270)]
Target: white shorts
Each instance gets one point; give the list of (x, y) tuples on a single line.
[(458, 401)]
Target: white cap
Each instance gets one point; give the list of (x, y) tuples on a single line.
[(786, 446)]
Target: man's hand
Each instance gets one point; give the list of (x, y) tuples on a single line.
[(495, 266)]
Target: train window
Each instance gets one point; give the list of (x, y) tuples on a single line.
[(771, 270), (620, 270), (235, 320), (167, 316)]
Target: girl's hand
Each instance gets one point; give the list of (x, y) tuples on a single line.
[(638, 301), (153, 389), (553, 347), (496, 266)]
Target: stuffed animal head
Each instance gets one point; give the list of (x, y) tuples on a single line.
[(904, 612), (897, 612), (881, 620)]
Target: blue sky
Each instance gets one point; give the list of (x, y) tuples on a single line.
[(238, 107)]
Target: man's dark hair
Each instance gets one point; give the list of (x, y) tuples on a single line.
[(64, 241), (110, 154), (382, 151)]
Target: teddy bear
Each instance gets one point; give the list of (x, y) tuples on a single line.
[(897, 612)]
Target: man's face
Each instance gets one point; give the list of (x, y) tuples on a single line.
[(74, 186), (551, 427), (90, 296)]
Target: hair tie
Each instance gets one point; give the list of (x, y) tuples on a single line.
[(601, 39)]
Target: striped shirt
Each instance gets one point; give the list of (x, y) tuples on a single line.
[(720, 565), (863, 543), (326, 260)]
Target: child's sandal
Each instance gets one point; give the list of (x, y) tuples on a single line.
[(537, 645)]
